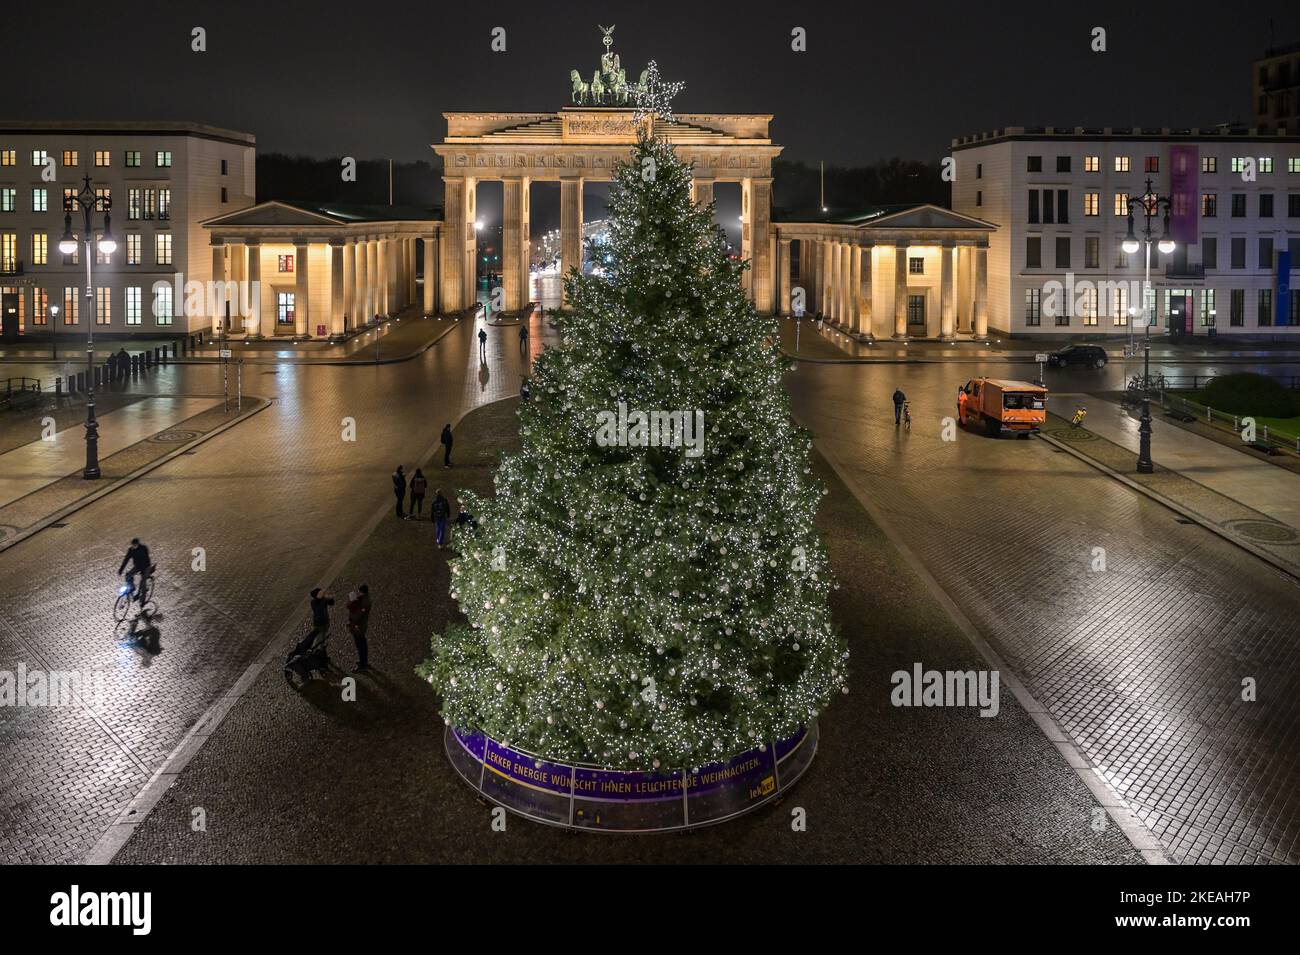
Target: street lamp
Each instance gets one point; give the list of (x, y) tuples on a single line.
[(1151, 205), (88, 202), (54, 329)]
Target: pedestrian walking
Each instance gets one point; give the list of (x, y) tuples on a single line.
[(418, 486), (899, 398), (321, 602), (441, 511), (399, 490), (482, 344), (523, 335), (358, 622), (524, 391), (446, 445), (463, 519)]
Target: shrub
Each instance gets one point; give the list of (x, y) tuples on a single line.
[(1247, 393)]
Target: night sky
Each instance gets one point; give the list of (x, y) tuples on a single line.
[(371, 79)]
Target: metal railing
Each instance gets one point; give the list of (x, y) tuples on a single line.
[(1203, 413)]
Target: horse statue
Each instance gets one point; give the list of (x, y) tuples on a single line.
[(580, 89), (620, 87), (597, 89)]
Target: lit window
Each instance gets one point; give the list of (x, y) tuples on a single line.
[(1237, 163), (133, 248), (8, 199), (133, 305), (915, 265), (40, 248), (1209, 204), (164, 203), (132, 161), (284, 263), (103, 199), (163, 303), (1293, 164), (8, 157), (162, 248), (1033, 306), (71, 158), (1121, 164), (1121, 203), (103, 158), (101, 257), (1207, 307), (1119, 304), (1265, 165), (71, 306), (73, 257), (40, 200), (162, 158), (103, 306), (9, 251), (284, 308), (1092, 164), (40, 306), (1209, 164), (1091, 203), (39, 157), (134, 203), (1088, 306)]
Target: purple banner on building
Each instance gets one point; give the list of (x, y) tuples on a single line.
[(1282, 289), (1184, 201)]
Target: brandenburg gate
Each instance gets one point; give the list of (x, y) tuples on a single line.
[(583, 143)]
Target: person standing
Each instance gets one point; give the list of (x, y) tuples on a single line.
[(962, 398), (418, 486), (358, 622), (482, 344), (399, 490), (523, 334), (321, 602), (899, 398), (441, 511), (446, 445)]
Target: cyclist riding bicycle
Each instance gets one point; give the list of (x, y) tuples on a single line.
[(137, 555), (1079, 415)]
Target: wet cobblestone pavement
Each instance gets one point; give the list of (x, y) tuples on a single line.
[(306, 777)]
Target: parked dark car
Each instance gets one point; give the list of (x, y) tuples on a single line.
[(1089, 356)]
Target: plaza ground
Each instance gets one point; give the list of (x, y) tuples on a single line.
[(1140, 665)]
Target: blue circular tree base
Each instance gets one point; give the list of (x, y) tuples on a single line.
[(589, 798)]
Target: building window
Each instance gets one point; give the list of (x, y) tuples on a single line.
[(103, 306), (134, 203), (1092, 164), (1092, 251), (1293, 164), (1151, 164), (9, 251), (103, 199), (1121, 203), (1033, 306), (1088, 306), (8, 157), (1237, 164), (1091, 204), (1266, 205), (284, 263), (163, 303), (1035, 164), (1237, 308), (164, 203), (39, 157), (133, 305), (132, 161), (1239, 205), (1293, 205), (1118, 304), (1238, 246), (74, 257), (979, 170), (162, 248), (1063, 252), (1062, 163), (1121, 257), (1033, 252), (40, 306), (162, 158), (1265, 252), (103, 158), (223, 194), (101, 257), (40, 199), (1264, 307), (1207, 307), (979, 197), (224, 169), (915, 265), (40, 248), (1265, 163), (1209, 252), (71, 158), (133, 248), (916, 310), (1063, 206), (284, 308), (1209, 204), (1033, 205), (71, 306), (1209, 164), (8, 199), (1121, 164)]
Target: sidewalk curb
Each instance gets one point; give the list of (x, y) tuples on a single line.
[(1206, 523), (1137, 833), (138, 809), (144, 469), (455, 323)]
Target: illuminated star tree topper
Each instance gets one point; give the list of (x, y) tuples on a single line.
[(654, 96)]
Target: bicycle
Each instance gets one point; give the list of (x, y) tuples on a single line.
[(127, 593), (1077, 420)]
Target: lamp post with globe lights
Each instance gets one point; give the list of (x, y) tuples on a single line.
[(1152, 205), (89, 202)]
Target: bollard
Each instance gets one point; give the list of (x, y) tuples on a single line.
[(58, 388), (176, 349), (81, 381), (135, 365)]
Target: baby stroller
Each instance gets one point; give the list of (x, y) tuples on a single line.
[(308, 659)]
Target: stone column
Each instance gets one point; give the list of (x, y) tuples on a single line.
[(233, 295), (514, 284), (412, 270), (855, 289), (783, 274), (301, 296), (430, 274), (982, 292), (378, 278), (453, 245), (825, 279), (900, 290), (847, 312), (702, 191), (349, 284), (338, 302), (361, 300), (947, 300), (218, 275), (965, 289), (255, 288), (868, 287), (570, 225), (758, 227), (833, 281)]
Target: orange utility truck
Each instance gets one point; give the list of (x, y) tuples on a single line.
[(1003, 406)]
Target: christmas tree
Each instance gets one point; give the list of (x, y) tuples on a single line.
[(647, 588)]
